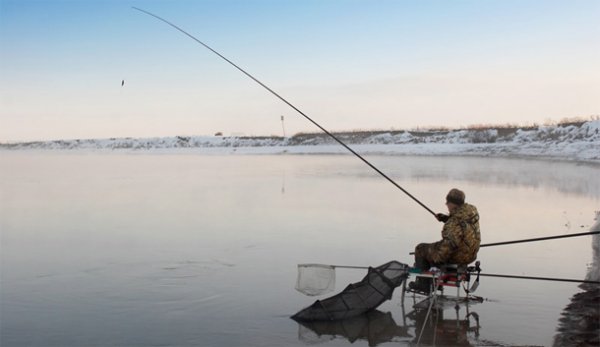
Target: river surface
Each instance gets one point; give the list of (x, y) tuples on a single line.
[(109, 249)]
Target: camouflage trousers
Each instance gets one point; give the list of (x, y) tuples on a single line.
[(432, 254)]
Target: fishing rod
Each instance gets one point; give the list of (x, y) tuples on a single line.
[(540, 278), (539, 239), (290, 105), (535, 239), (481, 274)]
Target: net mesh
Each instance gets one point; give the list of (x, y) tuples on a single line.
[(315, 279), (357, 298)]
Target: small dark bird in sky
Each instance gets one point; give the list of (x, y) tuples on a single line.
[(122, 82)]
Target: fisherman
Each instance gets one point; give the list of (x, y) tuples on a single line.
[(460, 239)]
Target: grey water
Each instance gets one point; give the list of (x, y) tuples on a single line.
[(109, 249)]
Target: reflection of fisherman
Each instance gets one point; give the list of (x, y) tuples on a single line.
[(444, 332), (460, 239)]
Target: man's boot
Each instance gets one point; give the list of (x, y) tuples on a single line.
[(421, 285)]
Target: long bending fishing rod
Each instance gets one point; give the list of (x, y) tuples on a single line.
[(540, 239), (480, 274), (535, 239), (290, 105)]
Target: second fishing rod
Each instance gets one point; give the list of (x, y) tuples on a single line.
[(292, 106)]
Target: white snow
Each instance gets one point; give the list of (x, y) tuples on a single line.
[(573, 142)]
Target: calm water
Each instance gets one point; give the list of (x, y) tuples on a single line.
[(192, 250)]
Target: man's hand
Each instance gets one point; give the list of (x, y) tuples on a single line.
[(442, 217)]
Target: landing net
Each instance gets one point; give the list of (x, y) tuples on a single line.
[(357, 298), (315, 279)]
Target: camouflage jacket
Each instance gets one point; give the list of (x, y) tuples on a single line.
[(461, 234)]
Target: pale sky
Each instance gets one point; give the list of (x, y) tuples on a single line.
[(348, 64)]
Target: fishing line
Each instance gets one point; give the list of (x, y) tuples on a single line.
[(290, 105)]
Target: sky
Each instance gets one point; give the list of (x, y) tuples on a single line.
[(348, 64)]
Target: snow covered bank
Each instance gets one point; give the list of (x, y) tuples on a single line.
[(575, 142)]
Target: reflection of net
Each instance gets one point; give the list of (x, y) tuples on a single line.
[(315, 279), (375, 327), (311, 337)]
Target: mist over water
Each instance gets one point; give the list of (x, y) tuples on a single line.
[(137, 250)]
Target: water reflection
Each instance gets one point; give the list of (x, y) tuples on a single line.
[(578, 324), (139, 250), (441, 327), (563, 176), (444, 327), (376, 327)]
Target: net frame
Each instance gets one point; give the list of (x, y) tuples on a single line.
[(315, 279)]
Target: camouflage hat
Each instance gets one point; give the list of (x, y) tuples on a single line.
[(456, 197)]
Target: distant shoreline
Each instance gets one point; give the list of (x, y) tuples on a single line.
[(574, 142), (321, 150)]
